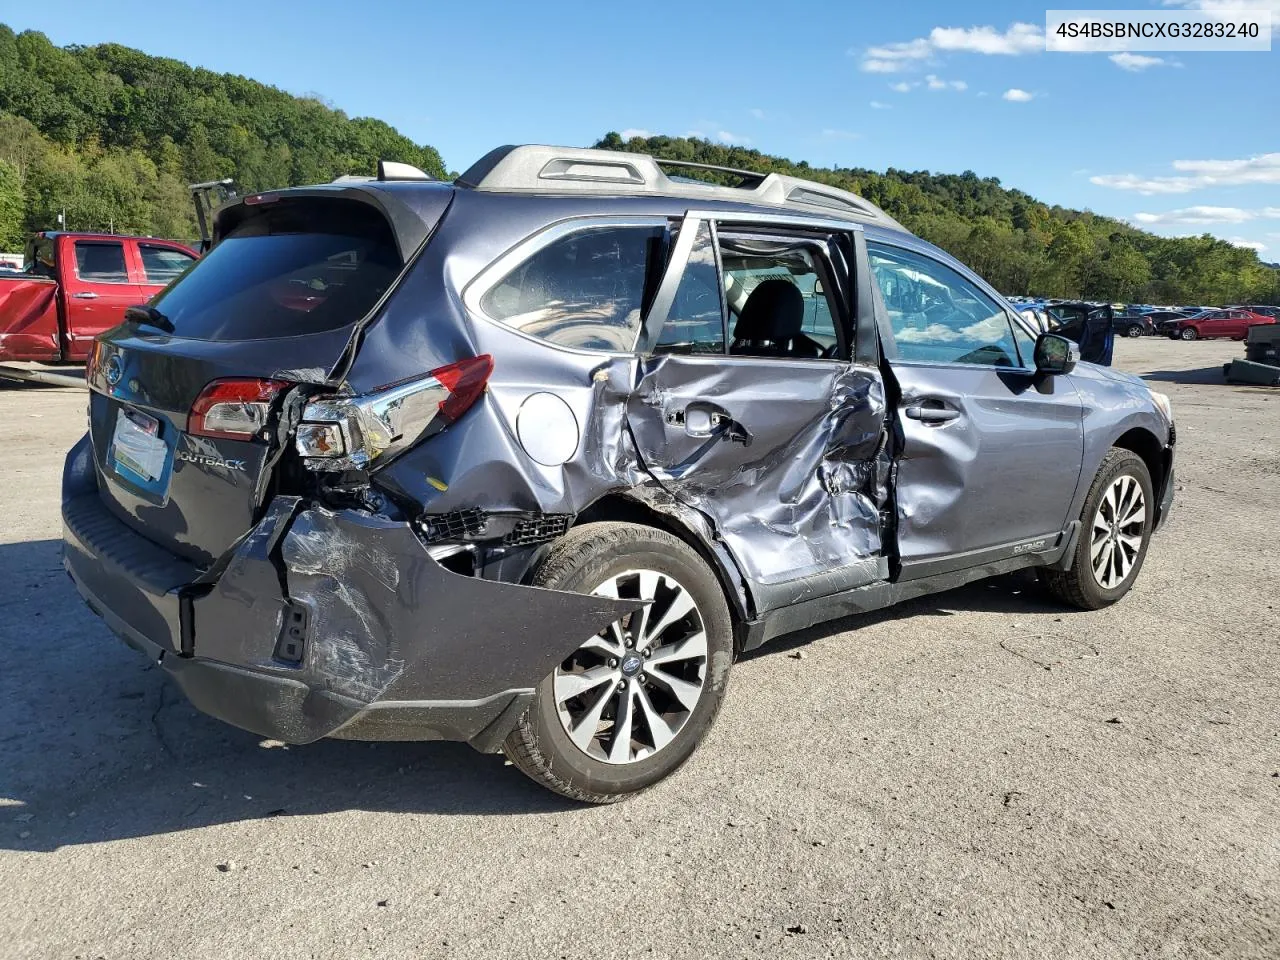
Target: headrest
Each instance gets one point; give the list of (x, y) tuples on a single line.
[(774, 312)]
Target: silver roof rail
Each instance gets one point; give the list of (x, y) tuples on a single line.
[(536, 168)]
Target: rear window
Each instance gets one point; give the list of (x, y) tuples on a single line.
[(163, 264), (286, 269)]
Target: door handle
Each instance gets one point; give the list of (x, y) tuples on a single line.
[(89, 295), (931, 414), (703, 420)]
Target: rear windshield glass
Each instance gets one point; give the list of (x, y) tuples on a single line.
[(286, 269)]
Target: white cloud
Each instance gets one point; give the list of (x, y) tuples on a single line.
[(724, 136), (831, 133), (1016, 95), (631, 132), (1254, 245), (894, 57), (1198, 174), (934, 83), (1228, 6), (877, 105), (1018, 39), (1203, 214), (1136, 62), (902, 86)]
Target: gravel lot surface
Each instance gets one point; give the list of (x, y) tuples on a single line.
[(976, 774)]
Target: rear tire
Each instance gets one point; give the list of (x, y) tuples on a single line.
[(1133, 331), (1188, 334), (1115, 530), (568, 740)]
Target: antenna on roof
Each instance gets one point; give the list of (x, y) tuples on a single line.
[(395, 170)]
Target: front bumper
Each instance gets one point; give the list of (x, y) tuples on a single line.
[(392, 645)]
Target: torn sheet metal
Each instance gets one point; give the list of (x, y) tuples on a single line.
[(387, 621), (786, 458)]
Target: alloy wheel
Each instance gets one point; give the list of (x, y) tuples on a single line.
[(628, 691), (1118, 527)]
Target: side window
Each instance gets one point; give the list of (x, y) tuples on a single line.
[(101, 261), (695, 323), (1026, 344), (779, 297), (162, 264), (584, 290), (937, 315)]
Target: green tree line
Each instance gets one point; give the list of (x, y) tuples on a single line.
[(113, 136), (1017, 243)]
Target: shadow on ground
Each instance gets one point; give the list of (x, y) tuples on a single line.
[(1202, 375), (96, 743)]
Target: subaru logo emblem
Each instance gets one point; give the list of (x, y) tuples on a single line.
[(115, 370), (631, 665)]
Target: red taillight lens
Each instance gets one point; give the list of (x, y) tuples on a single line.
[(465, 381), (233, 409)]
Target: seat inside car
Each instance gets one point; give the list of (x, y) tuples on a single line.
[(771, 321)]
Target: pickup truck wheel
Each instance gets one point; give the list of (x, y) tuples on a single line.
[(1188, 334), (631, 704), (1115, 530)]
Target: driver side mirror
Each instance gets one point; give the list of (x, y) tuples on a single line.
[(1055, 355)]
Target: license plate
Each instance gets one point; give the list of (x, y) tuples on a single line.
[(137, 446)]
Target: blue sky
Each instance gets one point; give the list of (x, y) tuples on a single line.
[(1187, 144)]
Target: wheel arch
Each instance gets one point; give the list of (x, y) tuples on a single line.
[(1146, 445), (663, 513)]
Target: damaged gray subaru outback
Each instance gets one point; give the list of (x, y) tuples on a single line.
[(526, 459)]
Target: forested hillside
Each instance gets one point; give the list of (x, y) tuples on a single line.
[(1016, 242), (114, 136)]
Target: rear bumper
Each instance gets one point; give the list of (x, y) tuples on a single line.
[(392, 646)]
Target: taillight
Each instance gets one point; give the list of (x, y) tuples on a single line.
[(465, 381), (233, 409), (343, 433)]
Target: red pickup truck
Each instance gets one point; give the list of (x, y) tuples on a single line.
[(75, 286)]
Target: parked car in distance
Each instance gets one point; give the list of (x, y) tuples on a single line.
[(1234, 324), (527, 459), (1265, 310), (1132, 324), (75, 286), (1164, 320)]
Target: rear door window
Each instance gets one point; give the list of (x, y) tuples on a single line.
[(583, 290), (291, 268), (101, 262), (161, 265)]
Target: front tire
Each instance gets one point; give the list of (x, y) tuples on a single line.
[(1188, 334), (1115, 530), (629, 706), (1133, 331)]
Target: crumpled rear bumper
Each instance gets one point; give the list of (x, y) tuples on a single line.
[(391, 644)]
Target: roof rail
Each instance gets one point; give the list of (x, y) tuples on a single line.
[(536, 168), (747, 178)]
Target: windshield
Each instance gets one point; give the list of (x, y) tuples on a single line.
[(293, 268)]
